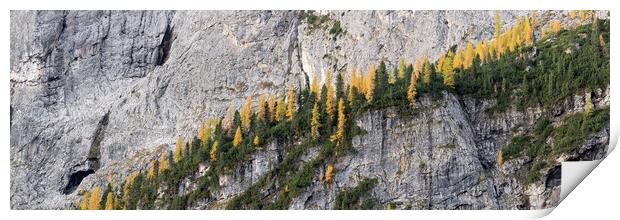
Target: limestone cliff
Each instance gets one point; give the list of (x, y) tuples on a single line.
[(95, 94)]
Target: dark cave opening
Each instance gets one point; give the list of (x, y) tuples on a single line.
[(75, 179), (554, 177), (164, 47)]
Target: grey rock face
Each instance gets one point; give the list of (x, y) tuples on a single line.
[(95, 95), (445, 157)]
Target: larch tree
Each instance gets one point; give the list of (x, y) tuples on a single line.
[(468, 56), (439, 63), (528, 32), (416, 67), (533, 19), (401, 68), (246, 113), (128, 182), (370, 84), (500, 157), (85, 201), (480, 51), (281, 108), (498, 30), (353, 83), (446, 67), (260, 111), (213, 151), (163, 162), (227, 122), (340, 87), (457, 62), (315, 122), (95, 199), (290, 103), (329, 97), (588, 106), (152, 168), (391, 77), (315, 86), (448, 76), (337, 137), (329, 173), (202, 131), (109, 201), (556, 26), (426, 70), (271, 104), (411, 91), (256, 140), (237, 139), (178, 150), (583, 15)]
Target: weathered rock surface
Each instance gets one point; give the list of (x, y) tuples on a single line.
[(97, 94)]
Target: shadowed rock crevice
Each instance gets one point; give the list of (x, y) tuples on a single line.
[(75, 179), (164, 47), (95, 147)]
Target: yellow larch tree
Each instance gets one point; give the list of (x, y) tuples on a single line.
[(256, 140), (201, 131), (353, 82), (271, 104), (260, 111), (426, 70), (246, 113), (491, 47), (337, 137), (151, 173), (370, 84), (528, 32), (128, 182), (329, 97), (533, 21), (457, 62), (556, 26), (109, 201), (163, 162), (237, 140), (228, 118), (416, 67), (480, 51), (468, 56), (391, 77), (411, 91), (95, 198), (401, 68), (329, 173), (315, 122), (588, 106), (281, 108), (439, 64), (583, 15), (572, 14), (315, 86), (84, 201), (500, 157), (213, 151), (498, 32), (447, 67), (178, 150), (290, 103)]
